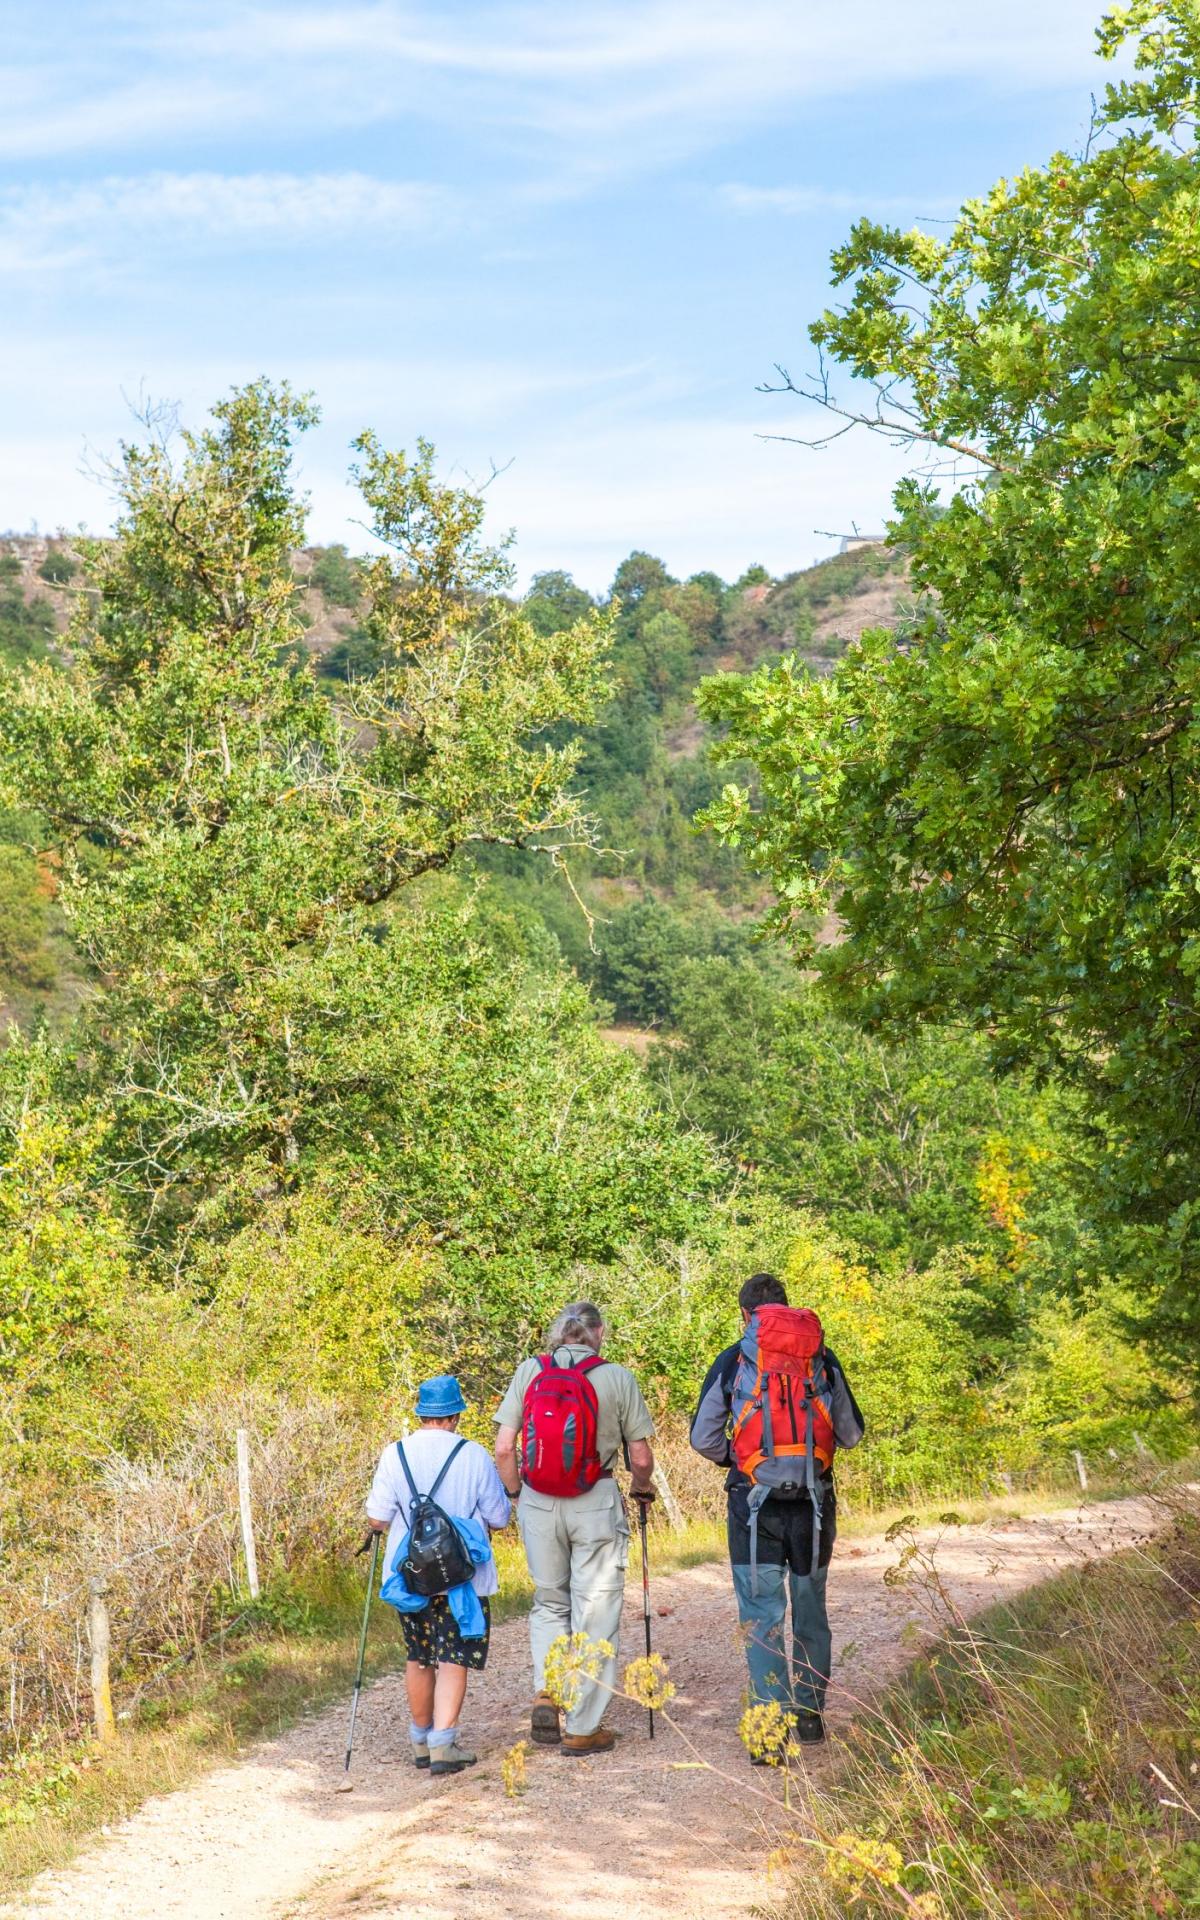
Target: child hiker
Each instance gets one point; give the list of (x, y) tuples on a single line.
[(438, 1496)]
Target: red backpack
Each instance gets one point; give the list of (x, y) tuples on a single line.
[(559, 1421), (781, 1414)]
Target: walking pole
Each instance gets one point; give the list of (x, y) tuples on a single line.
[(346, 1784), (646, 1592)]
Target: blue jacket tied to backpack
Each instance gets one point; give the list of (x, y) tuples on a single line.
[(463, 1600)]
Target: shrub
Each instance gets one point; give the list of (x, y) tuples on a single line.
[(59, 567), (336, 576)]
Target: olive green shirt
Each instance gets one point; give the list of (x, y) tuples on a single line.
[(622, 1414)]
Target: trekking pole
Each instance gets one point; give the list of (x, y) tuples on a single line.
[(345, 1784), (646, 1592)]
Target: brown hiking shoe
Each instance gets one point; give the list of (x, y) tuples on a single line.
[(602, 1741), (544, 1729)]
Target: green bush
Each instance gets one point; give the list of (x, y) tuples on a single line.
[(59, 567), (336, 576), (27, 628)]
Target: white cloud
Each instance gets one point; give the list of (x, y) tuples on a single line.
[(700, 493), (602, 463), (795, 202), (57, 225), (600, 87)]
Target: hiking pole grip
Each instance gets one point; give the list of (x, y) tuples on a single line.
[(362, 1645), (642, 1524)]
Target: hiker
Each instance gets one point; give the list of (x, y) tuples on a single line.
[(445, 1633), (755, 1417), (575, 1412)]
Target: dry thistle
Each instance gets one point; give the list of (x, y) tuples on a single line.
[(512, 1770), (765, 1731), (648, 1681), (569, 1659)]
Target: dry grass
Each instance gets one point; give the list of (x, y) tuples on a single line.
[(163, 1534), (1043, 1761)]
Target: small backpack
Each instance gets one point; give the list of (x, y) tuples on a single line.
[(781, 1409), (559, 1422), (437, 1558)]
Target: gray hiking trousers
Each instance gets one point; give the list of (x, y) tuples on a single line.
[(577, 1552)]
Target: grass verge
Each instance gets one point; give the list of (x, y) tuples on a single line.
[(1042, 1761)]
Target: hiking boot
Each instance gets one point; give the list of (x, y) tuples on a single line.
[(544, 1727), (451, 1759), (602, 1741), (420, 1752), (809, 1727)]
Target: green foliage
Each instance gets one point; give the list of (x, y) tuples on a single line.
[(884, 1138), (356, 656), (27, 629), (249, 838), (554, 603), (59, 567), (24, 957), (63, 1260), (1002, 810), (641, 952), (336, 576), (338, 1108)]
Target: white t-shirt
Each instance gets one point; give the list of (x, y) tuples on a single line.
[(472, 1490)]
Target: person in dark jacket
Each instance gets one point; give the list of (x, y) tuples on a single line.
[(785, 1539)]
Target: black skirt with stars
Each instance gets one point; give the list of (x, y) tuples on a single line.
[(432, 1637)]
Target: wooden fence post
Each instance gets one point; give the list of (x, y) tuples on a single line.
[(1081, 1470), (674, 1510), (243, 1469), (99, 1638)]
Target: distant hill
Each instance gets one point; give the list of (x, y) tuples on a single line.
[(666, 891)]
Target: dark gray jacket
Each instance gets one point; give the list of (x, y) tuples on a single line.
[(710, 1422)]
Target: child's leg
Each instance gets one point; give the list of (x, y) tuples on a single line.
[(449, 1692), (419, 1686)]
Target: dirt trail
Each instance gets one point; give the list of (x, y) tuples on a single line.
[(641, 1833)]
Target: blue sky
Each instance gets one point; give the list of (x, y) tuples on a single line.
[(568, 240)]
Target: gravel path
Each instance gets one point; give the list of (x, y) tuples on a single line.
[(646, 1831)]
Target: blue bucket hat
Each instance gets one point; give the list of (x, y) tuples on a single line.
[(440, 1398)]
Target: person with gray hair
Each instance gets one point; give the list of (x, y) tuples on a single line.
[(574, 1413)]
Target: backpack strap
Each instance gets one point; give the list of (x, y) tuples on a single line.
[(412, 1485), (764, 1396), (810, 1477), (758, 1494), (546, 1362), (447, 1463)]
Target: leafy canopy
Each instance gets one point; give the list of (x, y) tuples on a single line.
[(1005, 810), (228, 834)]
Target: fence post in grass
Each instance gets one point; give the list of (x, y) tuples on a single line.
[(100, 1641), (1081, 1470), (674, 1510), (243, 1471)]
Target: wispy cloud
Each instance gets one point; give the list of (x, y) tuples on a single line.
[(58, 224), (603, 85), (795, 202)]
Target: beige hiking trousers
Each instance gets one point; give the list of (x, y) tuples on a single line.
[(577, 1552)]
